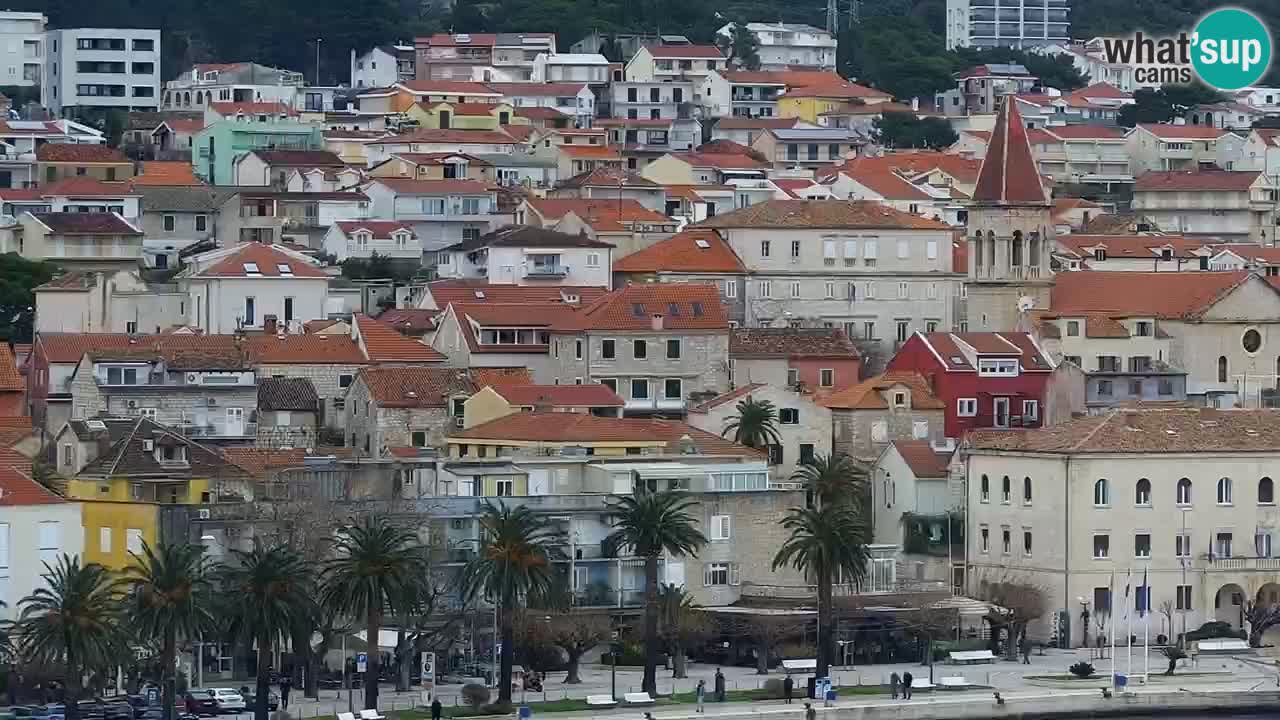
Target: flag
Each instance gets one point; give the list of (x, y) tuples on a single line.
[(1144, 597), (1210, 546), (1128, 581)]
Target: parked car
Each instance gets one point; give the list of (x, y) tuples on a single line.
[(228, 700), (200, 702), (273, 701), (117, 709)]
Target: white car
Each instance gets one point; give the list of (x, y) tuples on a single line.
[(228, 700)]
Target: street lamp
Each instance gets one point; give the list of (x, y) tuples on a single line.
[(1084, 618), (204, 540)]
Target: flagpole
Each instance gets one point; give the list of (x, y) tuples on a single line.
[(1111, 598), (1128, 633), (1146, 629)]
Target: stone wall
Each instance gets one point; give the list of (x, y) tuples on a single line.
[(755, 535)]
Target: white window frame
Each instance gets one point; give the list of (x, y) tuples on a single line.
[(1030, 409), (721, 527), (967, 407), (826, 377), (997, 367)]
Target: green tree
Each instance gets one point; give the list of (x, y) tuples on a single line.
[(1166, 103), (18, 279), (828, 544), (265, 592), (651, 523), (512, 569), (681, 623), (907, 130), (168, 601), (741, 48), (72, 622), (833, 479), (376, 566), (755, 425)]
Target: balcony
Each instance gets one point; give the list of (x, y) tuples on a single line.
[(546, 271), (602, 595), (216, 430), (1241, 564), (655, 404)]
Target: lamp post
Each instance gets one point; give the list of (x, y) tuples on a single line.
[(1084, 619), (204, 540), (1186, 557)]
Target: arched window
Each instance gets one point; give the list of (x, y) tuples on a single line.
[(1184, 491), (1266, 491), (1026, 490), (199, 98), (991, 249), (1015, 251), (1033, 249), (1222, 368), (1101, 492), (977, 261), (186, 99), (1224, 491), (1005, 490), (986, 488), (1142, 492)]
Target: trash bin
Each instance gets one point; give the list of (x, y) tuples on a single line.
[(813, 683), (831, 695), (1121, 681), (526, 712)]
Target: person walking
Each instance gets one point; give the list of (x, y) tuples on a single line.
[(436, 709), (787, 686), (1026, 650), (906, 685), (719, 685), (286, 685), (701, 694), (894, 682), (809, 712)]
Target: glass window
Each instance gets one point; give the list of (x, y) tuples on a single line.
[(1101, 547), (1101, 492), (1142, 492), (1184, 491)]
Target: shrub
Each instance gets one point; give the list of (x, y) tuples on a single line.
[(1082, 669), (475, 695), (773, 687), (1214, 630)]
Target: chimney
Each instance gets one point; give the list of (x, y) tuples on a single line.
[(269, 324), (656, 321)]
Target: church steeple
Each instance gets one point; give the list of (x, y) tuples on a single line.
[(1009, 175)]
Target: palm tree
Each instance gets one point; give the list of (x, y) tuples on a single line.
[(377, 565), (834, 478), (267, 591), (72, 622), (826, 543), (652, 523), (169, 599), (512, 569), (755, 425)]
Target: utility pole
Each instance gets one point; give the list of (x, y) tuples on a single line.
[(833, 17), (318, 41)]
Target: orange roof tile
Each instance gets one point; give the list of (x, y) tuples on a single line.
[(585, 395), (1009, 173), (259, 461), (84, 186), (693, 250), (590, 151), (1169, 295), (1182, 132), (17, 486), (883, 180), (866, 395), (497, 376), (604, 215), (479, 292), (167, 174), (1204, 180), (799, 214), (682, 306), (924, 461), (383, 344), (584, 428), (415, 386), (10, 379), (310, 349), (269, 262), (79, 153)]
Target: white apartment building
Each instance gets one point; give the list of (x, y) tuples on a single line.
[(36, 528), (243, 82), (22, 42), (592, 68), (1229, 205), (1183, 498), (1173, 147), (526, 255), (674, 63), (652, 99), (1007, 23), (787, 45), (383, 66), (92, 68)]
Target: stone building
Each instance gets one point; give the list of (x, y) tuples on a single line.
[(895, 406), (803, 425)]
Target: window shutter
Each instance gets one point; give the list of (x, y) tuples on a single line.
[(706, 575)]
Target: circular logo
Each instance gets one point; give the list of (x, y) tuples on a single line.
[(1230, 49)]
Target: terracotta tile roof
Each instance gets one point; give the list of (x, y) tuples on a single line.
[(231, 109), (959, 352), (1203, 180), (383, 344), (415, 386), (85, 186), (10, 379), (521, 133), (190, 126), (71, 223), (796, 187), (805, 214), (741, 123), (586, 395), (1250, 252), (1142, 430), (379, 229), (473, 39), (410, 320), (721, 161), (31, 195), (79, 153), (725, 398), (1009, 173), (498, 376), (683, 306), (922, 459), (540, 113), (1064, 205), (450, 137), (305, 350), (1167, 295), (843, 91), (589, 151), (1085, 132), (301, 158), (537, 90), (582, 428), (17, 486), (609, 177), (479, 292), (791, 343), (602, 215), (1182, 132), (1269, 137), (287, 394), (435, 158), (1130, 246), (70, 347), (1110, 224), (1100, 326), (257, 462), (155, 172), (883, 180), (695, 250), (129, 455), (1103, 90), (727, 147), (528, 236), (468, 109), (866, 395), (267, 258), (686, 51), (409, 186)]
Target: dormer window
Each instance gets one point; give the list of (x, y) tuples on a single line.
[(362, 239), (171, 455), (401, 238), (997, 368), (284, 269), (899, 399), (1166, 253), (1142, 328), (1100, 254)]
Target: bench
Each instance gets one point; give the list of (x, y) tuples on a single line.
[(346, 716), (797, 666), (640, 698), (966, 657), (593, 701), (921, 684), (952, 683), (1223, 646), (371, 715)]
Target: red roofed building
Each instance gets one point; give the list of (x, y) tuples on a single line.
[(1162, 147), (693, 255), (38, 524), (984, 379), (493, 402), (383, 344), (55, 161), (1010, 229), (242, 286), (881, 409), (1235, 206)]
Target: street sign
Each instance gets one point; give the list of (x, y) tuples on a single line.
[(362, 662), (428, 668), (153, 695)]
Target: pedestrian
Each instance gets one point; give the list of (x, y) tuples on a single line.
[(1026, 650), (787, 686), (286, 685), (719, 686), (648, 716), (906, 685), (894, 681), (809, 712), (436, 709), (701, 694)]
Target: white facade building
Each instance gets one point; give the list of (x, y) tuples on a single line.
[(238, 287), (590, 68), (22, 42), (36, 527), (525, 255), (1006, 23), (103, 68), (787, 45)]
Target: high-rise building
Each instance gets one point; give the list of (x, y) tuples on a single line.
[(1006, 23), (102, 68), (22, 45)]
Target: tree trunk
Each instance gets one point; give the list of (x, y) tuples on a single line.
[(679, 663), (651, 643), (824, 620), (300, 644), (571, 676), (313, 665), (404, 652), (168, 683), (372, 628), (762, 658), (71, 688), (506, 657), (260, 710)]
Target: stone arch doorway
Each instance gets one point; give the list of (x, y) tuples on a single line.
[(1268, 596), (1228, 605)]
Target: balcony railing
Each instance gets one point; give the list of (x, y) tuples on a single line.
[(547, 271), (1221, 564), (217, 429)]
